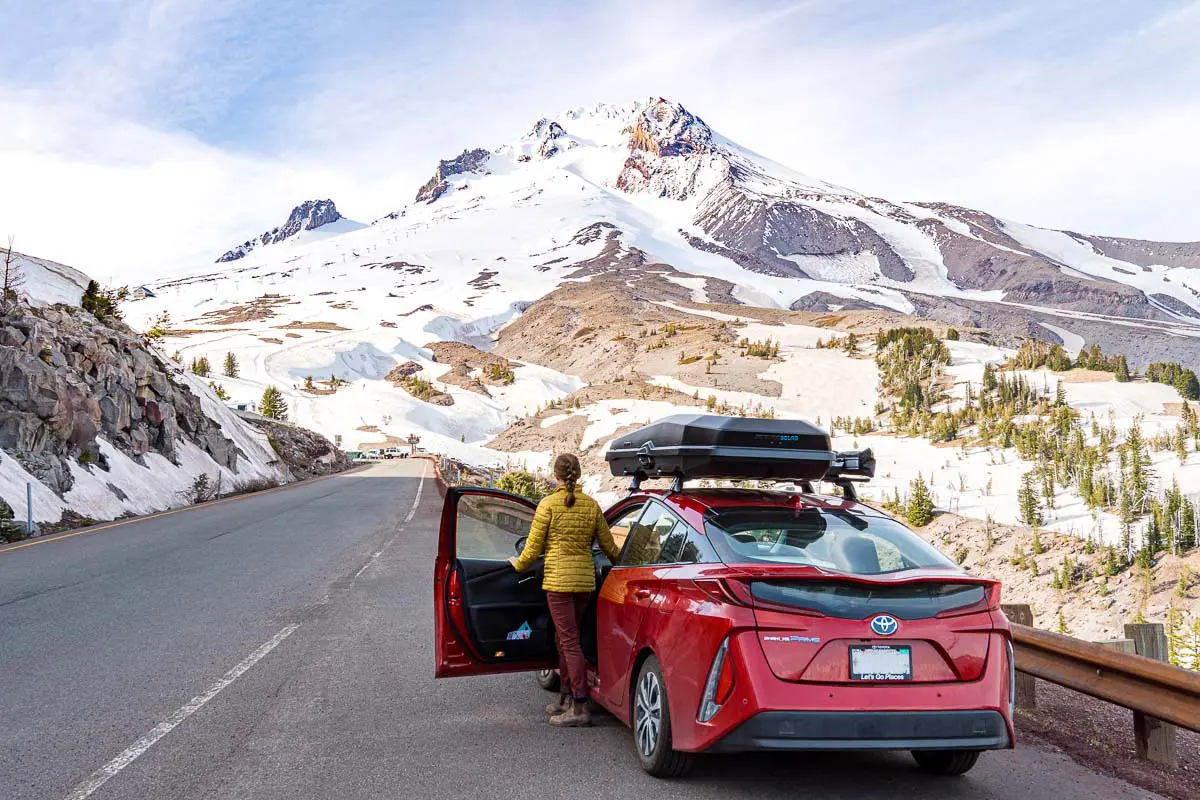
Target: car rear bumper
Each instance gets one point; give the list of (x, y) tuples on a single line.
[(868, 730)]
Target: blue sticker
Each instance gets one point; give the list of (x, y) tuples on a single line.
[(521, 633)]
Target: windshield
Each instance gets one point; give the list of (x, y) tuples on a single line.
[(833, 540)]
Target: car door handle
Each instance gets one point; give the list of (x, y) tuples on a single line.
[(527, 580), (642, 594)]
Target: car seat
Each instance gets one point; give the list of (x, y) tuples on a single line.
[(857, 554)]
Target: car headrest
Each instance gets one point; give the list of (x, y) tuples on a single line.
[(857, 554)]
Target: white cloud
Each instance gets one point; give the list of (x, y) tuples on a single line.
[(159, 136)]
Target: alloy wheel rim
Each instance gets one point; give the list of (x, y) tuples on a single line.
[(545, 674), (649, 713)]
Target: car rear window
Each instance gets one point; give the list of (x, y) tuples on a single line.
[(919, 600), (834, 540)]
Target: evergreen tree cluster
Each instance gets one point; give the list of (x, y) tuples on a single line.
[(1175, 374), (759, 349), (910, 362), (104, 303)]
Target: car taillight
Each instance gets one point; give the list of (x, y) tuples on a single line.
[(990, 602), (725, 591), (1012, 678), (719, 685), (725, 681)]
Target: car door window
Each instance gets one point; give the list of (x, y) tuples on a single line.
[(490, 526), (622, 523), (650, 540), (696, 548)]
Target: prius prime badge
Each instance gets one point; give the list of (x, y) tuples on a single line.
[(884, 625)]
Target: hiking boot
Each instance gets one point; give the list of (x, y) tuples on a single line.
[(563, 704), (577, 716)]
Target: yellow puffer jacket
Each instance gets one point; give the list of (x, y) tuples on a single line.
[(566, 534)]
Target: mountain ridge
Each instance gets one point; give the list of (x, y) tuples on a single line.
[(308, 216)]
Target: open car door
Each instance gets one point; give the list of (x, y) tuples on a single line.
[(488, 617)]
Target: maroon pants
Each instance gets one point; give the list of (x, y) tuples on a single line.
[(567, 609)]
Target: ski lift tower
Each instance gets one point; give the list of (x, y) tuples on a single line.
[(413, 441)]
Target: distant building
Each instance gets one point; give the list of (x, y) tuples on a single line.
[(141, 293)]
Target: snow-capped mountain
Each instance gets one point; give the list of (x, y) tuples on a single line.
[(768, 219), (308, 216), (644, 199)]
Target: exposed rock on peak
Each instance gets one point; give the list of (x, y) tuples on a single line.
[(544, 127), (671, 153), (438, 185), (309, 215), (553, 139), (668, 129)]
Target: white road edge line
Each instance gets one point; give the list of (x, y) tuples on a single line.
[(131, 753), (411, 513), (420, 486)]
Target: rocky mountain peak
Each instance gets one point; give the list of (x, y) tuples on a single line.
[(671, 153), (438, 185), (309, 215), (666, 129)]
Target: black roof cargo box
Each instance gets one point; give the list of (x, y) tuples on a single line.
[(708, 446)]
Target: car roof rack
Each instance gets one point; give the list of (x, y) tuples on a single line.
[(691, 446)]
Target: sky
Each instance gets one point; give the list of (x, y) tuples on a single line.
[(139, 137)]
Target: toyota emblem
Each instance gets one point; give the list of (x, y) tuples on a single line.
[(884, 625)]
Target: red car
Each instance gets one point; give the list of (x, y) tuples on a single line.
[(739, 620)]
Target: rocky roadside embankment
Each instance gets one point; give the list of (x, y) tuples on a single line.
[(101, 426)]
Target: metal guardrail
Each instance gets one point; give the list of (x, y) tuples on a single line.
[(1142, 684)]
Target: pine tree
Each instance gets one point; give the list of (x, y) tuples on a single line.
[(13, 278), (231, 365), (1196, 644), (1122, 370), (1060, 394), (272, 405), (1188, 417), (1030, 506), (1061, 624), (989, 377), (1187, 526), (1178, 646), (1139, 475), (200, 366), (1153, 536), (1187, 385), (920, 503)]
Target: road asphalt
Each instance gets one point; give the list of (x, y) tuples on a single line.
[(281, 646)]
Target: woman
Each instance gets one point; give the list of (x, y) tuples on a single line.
[(565, 525)]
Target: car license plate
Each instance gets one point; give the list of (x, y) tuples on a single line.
[(880, 662)]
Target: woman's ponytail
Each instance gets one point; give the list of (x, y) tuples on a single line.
[(567, 470)]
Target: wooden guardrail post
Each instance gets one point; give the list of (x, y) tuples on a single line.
[(1026, 688), (1155, 739)]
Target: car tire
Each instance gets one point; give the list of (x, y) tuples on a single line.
[(652, 725), (548, 679), (946, 762)]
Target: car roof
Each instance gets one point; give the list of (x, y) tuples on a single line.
[(698, 501)]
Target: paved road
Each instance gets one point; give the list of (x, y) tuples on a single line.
[(261, 649)]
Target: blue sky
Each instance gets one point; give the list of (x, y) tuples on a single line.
[(140, 135)]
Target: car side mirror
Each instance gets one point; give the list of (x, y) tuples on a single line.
[(521, 544)]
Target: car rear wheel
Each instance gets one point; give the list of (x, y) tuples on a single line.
[(946, 762), (548, 679), (652, 725)]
